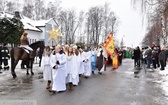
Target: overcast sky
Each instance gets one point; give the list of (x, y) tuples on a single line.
[(130, 20)]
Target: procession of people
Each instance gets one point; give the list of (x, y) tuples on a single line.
[(64, 66)]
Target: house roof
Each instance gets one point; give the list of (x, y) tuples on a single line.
[(28, 23)]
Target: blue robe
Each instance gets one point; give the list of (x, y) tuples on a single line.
[(93, 60)]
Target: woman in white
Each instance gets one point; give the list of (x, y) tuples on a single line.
[(72, 72), (58, 62), (45, 66), (77, 64)]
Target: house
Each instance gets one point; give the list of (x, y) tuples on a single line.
[(36, 29)]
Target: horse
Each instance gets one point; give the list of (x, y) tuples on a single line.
[(19, 53)]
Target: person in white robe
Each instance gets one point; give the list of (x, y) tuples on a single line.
[(72, 71), (77, 64), (45, 66), (81, 65), (58, 62), (87, 62)]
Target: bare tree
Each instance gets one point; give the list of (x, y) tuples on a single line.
[(156, 7), (39, 9), (80, 29), (69, 23), (10, 6), (94, 24), (28, 10), (53, 9)]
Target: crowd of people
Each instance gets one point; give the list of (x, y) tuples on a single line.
[(153, 56), (65, 65)]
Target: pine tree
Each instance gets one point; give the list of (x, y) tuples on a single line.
[(11, 30)]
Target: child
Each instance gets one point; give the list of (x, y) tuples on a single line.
[(45, 65)]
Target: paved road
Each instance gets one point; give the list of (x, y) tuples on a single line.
[(112, 88)]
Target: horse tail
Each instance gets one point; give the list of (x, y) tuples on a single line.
[(12, 58)]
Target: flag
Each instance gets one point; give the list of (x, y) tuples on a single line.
[(109, 44), (110, 48)]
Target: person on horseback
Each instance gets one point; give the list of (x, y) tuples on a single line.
[(25, 43)]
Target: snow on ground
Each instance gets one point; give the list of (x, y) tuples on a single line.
[(164, 80), (19, 72)]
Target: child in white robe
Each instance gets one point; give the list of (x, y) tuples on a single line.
[(45, 66), (58, 63), (72, 72)]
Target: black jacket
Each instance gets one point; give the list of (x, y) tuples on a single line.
[(5, 53), (162, 55)]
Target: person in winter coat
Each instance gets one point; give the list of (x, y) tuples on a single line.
[(137, 53), (162, 57), (148, 54), (5, 56)]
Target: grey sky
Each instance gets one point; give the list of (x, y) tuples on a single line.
[(130, 20)]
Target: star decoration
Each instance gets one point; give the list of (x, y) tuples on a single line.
[(54, 33)]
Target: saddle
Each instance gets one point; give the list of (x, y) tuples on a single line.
[(28, 52), (25, 49)]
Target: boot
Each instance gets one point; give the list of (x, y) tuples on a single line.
[(71, 86), (48, 85)]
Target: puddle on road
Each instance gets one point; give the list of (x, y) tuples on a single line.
[(23, 84)]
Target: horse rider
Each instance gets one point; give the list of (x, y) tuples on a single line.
[(25, 43), (5, 56)]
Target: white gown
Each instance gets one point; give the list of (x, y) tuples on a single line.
[(59, 79), (72, 70), (81, 64), (46, 68), (87, 64)]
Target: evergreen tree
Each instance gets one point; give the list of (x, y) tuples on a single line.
[(11, 30)]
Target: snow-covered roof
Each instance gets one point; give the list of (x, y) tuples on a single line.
[(5, 14), (28, 23), (41, 22)]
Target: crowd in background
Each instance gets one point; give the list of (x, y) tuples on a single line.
[(153, 56)]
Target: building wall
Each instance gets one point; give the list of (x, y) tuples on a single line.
[(33, 36), (48, 27), (36, 36)]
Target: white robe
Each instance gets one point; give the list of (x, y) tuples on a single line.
[(72, 70), (81, 64), (46, 68), (59, 79), (87, 64)]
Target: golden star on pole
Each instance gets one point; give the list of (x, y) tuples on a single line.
[(54, 33)]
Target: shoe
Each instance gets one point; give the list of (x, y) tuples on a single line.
[(86, 77), (0, 72), (48, 87), (92, 72), (52, 91), (100, 73), (162, 69)]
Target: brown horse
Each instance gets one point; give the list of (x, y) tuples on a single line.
[(18, 53)]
